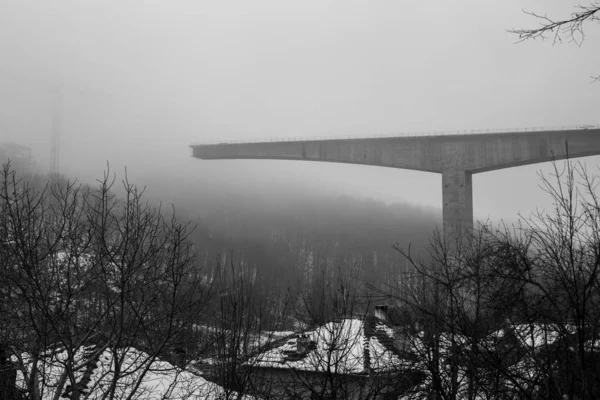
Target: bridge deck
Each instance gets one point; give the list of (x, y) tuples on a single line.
[(456, 157), (474, 152)]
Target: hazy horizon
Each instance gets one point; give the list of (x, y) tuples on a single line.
[(140, 81)]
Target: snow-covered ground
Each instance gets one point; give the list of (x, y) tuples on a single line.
[(146, 380)]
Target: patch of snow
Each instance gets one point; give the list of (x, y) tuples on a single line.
[(150, 380), (535, 336), (339, 347)]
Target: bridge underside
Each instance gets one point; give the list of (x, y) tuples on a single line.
[(456, 157)]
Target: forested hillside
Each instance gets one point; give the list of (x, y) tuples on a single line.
[(287, 240)]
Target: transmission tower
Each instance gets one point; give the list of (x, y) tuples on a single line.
[(55, 145)]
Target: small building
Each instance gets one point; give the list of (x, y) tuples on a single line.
[(345, 359)]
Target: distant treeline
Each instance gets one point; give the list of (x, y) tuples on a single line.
[(290, 237), (291, 241)]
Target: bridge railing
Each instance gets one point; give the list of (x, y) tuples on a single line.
[(402, 134)]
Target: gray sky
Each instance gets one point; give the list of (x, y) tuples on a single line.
[(140, 80)]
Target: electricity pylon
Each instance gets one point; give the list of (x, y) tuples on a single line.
[(56, 125)]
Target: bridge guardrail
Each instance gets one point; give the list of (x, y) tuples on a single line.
[(403, 134)]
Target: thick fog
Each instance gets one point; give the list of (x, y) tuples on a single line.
[(140, 80)]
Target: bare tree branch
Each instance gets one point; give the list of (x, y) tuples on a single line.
[(571, 28)]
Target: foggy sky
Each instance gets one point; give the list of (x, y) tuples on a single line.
[(141, 80)]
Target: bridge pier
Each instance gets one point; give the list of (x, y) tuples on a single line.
[(457, 197)]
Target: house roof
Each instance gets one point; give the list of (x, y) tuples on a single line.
[(348, 346), (162, 379)]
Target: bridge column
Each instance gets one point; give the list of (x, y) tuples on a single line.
[(457, 196)]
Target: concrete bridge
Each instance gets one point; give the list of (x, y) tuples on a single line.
[(457, 157)]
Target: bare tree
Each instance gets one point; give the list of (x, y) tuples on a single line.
[(562, 265), (242, 322), (513, 312), (333, 308), (90, 275), (343, 354), (570, 28)]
